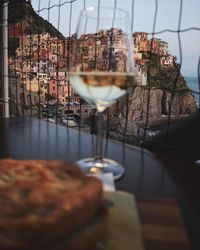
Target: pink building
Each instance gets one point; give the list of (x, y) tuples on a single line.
[(60, 88)]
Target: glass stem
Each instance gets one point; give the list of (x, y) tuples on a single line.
[(98, 149)]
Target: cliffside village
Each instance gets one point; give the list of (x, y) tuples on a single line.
[(40, 65)]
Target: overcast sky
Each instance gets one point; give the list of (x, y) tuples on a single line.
[(144, 10)]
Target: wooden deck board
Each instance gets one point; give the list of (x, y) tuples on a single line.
[(162, 224)]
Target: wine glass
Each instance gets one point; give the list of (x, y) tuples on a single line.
[(102, 70)]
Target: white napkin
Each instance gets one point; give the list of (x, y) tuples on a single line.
[(107, 180)]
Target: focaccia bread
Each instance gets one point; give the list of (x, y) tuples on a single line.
[(42, 201)]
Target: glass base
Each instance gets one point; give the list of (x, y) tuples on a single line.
[(92, 166), (197, 162)]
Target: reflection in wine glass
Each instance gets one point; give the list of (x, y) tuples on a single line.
[(102, 70)]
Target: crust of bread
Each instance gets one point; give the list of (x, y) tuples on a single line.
[(41, 201)]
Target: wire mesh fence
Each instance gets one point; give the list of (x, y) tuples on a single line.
[(41, 39)]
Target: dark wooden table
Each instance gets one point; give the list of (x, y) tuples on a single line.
[(160, 195)]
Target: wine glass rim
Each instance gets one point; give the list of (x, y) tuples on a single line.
[(92, 8)]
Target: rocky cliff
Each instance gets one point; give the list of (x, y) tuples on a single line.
[(144, 107), (165, 98)]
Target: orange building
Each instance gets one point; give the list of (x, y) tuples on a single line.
[(141, 41)]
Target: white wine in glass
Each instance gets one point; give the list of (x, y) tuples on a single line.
[(102, 70)]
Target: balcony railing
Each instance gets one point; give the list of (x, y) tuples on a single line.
[(38, 52)]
